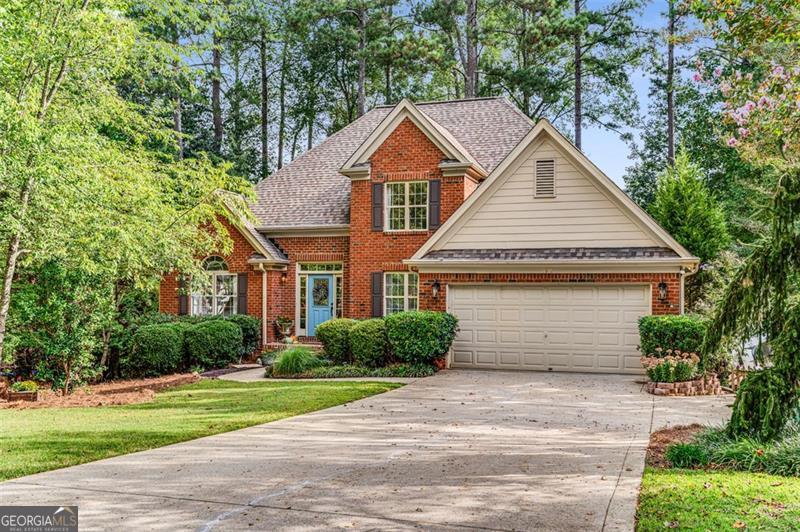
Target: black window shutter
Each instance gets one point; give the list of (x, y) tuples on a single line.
[(377, 206), (377, 294), (241, 299), (434, 203), (183, 296)]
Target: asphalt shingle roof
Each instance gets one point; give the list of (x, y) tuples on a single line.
[(310, 191), (552, 254)]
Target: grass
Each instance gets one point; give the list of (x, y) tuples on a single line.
[(38, 440), (717, 500)]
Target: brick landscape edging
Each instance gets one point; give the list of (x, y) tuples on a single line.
[(706, 385)]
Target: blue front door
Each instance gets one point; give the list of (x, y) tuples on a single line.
[(319, 293)]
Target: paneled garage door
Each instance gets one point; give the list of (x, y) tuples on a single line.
[(590, 328)]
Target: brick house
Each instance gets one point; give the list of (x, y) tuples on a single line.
[(465, 206)]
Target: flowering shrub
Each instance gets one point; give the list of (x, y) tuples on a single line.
[(671, 366)]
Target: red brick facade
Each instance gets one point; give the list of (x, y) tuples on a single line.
[(669, 306), (406, 155)]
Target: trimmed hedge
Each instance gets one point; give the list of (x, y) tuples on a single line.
[(335, 338), (295, 360), (420, 337), (155, 350), (212, 344), (369, 344), (251, 332), (684, 333)]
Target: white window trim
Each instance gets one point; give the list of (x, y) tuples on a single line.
[(406, 207), (214, 295), (405, 297), (301, 274)]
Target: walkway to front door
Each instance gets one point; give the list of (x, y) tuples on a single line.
[(321, 297)]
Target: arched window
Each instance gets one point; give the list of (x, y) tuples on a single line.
[(214, 291)]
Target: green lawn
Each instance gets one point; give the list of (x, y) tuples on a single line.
[(719, 500), (39, 440)]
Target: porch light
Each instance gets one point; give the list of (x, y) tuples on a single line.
[(662, 291), (283, 278), (435, 289)]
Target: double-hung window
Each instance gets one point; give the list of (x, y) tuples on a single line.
[(215, 290), (407, 206), (401, 292)]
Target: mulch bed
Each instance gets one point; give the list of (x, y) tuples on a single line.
[(661, 439), (122, 392), (214, 373)]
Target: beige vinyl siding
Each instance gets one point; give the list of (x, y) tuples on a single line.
[(579, 215)]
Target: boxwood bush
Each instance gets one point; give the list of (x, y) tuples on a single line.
[(251, 332), (212, 344), (420, 337), (684, 333), (154, 350), (335, 338), (369, 344)]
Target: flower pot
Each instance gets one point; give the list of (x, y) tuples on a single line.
[(23, 396)]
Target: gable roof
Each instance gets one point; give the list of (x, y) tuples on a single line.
[(310, 191), (494, 181), (440, 136)]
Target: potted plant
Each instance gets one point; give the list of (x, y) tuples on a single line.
[(284, 326), (24, 391)]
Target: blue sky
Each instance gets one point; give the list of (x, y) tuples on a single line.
[(605, 148)]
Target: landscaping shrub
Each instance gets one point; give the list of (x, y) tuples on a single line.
[(687, 455), (295, 360), (212, 344), (659, 333), (420, 336), (368, 343), (154, 350), (335, 338), (251, 332), (778, 457), (394, 370), (678, 367), (24, 386)]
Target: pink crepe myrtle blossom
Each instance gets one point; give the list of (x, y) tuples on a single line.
[(717, 72), (697, 77), (743, 132), (777, 71), (732, 142)]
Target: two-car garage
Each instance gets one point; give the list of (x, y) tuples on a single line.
[(576, 327)]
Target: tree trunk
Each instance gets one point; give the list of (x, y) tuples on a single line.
[(11, 262), (471, 66), (177, 112), (361, 98), (388, 89), (282, 112), (262, 52), (216, 102), (670, 84), (578, 81), (310, 139)]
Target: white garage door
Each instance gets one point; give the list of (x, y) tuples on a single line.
[(590, 328)]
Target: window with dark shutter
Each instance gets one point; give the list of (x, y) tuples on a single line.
[(434, 203), (545, 179), (241, 295), (377, 206), (377, 294)]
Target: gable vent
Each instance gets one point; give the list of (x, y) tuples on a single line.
[(545, 179)]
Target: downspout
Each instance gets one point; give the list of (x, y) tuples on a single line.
[(263, 305), (683, 281)]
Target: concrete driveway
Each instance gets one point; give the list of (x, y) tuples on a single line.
[(464, 449)]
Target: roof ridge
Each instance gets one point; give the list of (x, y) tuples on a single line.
[(438, 102)]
